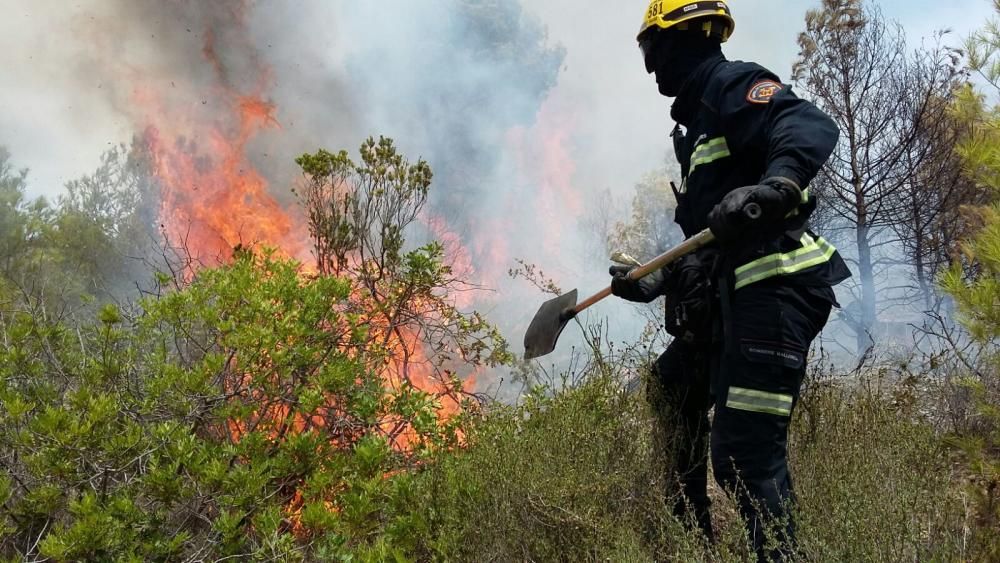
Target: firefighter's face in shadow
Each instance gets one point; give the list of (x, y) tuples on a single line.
[(673, 55)]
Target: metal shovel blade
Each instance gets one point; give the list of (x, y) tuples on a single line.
[(548, 324), (551, 319)]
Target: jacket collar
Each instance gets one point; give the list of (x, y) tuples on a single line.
[(693, 89)]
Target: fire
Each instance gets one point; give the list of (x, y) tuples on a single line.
[(213, 199), (458, 255), (408, 363), (543, 158)]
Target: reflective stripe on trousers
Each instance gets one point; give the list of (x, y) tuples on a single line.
[(759, 401)]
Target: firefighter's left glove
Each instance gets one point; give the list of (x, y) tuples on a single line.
[(644, 290), (730, 220)]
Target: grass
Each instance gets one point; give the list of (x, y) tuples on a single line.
[(876, 482), (575, 476), (564, 478)]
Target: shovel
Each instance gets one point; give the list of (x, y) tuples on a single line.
[(555, 314)]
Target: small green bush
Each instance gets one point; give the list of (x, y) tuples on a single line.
[(566, 477), (874, 481), (241, 416), (575, 476)]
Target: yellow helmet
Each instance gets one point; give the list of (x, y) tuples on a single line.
[(667, 14)]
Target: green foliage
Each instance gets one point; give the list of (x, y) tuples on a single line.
[(15, 222), (104, 223), (241, 417), (982, 49), (24, 229), (238, 416), (365, 208), (87, 249), (976, 298), (359, 214), (578, 475), (568, 477), (254, 411), (874, 482)]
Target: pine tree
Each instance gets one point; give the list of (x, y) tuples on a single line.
[(977, 294)]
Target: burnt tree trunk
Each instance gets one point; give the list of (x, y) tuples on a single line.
[(887, 101), (866, 272)]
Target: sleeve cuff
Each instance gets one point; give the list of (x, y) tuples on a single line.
[(784, 170)]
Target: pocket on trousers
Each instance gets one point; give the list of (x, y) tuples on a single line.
[(773, 353)]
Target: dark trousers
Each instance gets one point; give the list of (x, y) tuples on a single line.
[(752, 377)]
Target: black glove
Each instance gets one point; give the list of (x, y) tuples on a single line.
[(776, 198), (690, 295), (645, 290)]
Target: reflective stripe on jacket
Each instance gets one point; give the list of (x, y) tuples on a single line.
[(814, 252), (736, 136)]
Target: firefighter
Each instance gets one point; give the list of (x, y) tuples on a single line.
[(745, 311)]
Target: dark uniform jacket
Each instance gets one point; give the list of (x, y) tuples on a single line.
[(744, 125)]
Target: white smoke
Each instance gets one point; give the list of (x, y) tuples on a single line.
[(495, 94)]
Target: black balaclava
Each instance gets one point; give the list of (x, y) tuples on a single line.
[(676, 54)]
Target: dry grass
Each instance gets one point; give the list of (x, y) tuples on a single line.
[(576, 477)]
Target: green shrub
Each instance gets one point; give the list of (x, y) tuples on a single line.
[(564, 477), (115, 448), (249, 411), (575, 476), (241, 416), (874, 482)]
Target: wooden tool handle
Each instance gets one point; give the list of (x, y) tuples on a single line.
[(687, 247), (606, 292)]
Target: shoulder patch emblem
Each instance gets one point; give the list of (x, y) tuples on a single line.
[(762, 91)]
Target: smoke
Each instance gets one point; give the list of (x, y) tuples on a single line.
[(464, 85), (530, 113)]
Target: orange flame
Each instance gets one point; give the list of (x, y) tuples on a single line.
[(543, 157), (214, 199), (458, 256)]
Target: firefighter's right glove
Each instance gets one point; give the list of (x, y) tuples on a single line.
[(730, 221), (645, 290)]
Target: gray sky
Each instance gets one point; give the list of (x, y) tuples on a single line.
[(57, 121), (619, 108)]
